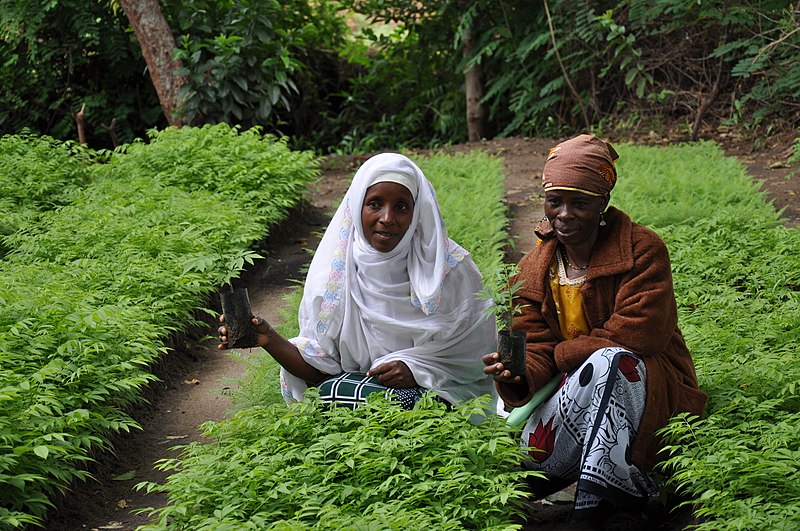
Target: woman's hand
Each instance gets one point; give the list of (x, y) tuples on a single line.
[(263, 329), (282, 350), (496, 369), (394, 374)]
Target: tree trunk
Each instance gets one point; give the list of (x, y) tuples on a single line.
[(158, 47), (476, 111)]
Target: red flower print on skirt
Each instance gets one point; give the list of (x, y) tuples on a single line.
[(627, 366), (542, 439)]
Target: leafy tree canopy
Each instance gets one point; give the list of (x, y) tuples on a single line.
[(361, 75)]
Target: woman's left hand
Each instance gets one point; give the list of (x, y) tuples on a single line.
[(493, 366), (394, 374)]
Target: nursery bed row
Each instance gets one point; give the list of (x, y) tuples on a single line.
[(92, 288), (736, 270), (37, 175)]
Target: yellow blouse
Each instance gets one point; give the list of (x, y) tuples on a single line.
[(569, 303)]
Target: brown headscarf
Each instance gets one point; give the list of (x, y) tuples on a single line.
[(584, 164)]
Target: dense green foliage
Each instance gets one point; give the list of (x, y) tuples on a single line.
[(469, 188), (380, 467), (91, 291), (255, 62), (58, 55), (737, 279), (36, 175), (395, 77), (563, 65)]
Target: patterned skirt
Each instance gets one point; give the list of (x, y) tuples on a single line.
[(351, 389), (584, 432)]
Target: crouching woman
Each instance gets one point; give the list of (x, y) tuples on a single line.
[(598, 307)]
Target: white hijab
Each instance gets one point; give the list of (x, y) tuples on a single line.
[(415, 303)]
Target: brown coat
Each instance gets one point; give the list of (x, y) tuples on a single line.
[(629, 302)]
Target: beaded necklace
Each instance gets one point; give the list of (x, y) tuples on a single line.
[(570, 264)]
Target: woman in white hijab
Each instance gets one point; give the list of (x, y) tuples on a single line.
[(389, 302)]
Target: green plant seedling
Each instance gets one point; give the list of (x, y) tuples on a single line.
[(501, 290)]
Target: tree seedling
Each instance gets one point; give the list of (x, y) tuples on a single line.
[(510, 343)]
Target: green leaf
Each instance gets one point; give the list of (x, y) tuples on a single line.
[(126, 476), (41, 451)]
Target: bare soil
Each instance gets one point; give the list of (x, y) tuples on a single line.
[(195, 378)]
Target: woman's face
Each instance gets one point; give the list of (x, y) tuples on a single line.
[(574, 216), (386, 215)]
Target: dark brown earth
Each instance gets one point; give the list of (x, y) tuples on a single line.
[(195, 378)]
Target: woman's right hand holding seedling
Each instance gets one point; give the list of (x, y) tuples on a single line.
[(263, 329)]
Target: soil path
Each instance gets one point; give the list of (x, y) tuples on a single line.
[(196, 377)]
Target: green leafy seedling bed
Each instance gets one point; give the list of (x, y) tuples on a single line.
[(92, 289)]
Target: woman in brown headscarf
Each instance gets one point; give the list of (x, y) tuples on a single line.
[(598, 307)]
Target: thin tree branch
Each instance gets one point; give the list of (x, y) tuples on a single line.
[(773, 44), (708, 101), (563, 69), (80, 122)]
